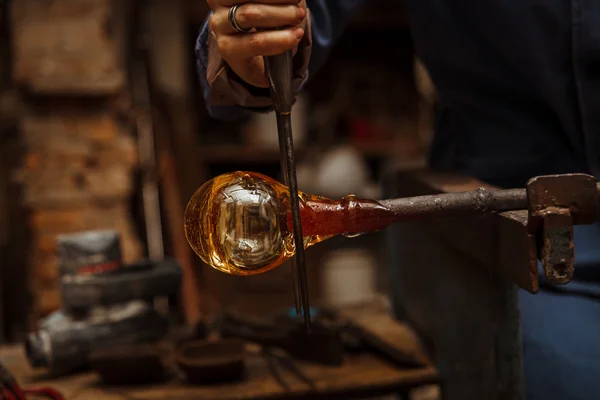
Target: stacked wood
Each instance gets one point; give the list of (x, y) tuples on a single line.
[(77, 172), (66, 46), (76, 159), (76, 176)]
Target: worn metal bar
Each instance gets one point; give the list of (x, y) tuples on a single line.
[(451, 277), (479, 200), (564, 191)]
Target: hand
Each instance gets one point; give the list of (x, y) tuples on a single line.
[(279, 27)]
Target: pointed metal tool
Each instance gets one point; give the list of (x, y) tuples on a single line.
[(279, 73)]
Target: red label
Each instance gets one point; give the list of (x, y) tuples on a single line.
[(98, 268)]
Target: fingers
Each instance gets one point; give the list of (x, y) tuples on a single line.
[(244, 54), (260, 16), (279, 27), (214, 4), (265, 43)]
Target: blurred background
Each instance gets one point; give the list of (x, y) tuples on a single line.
[(103, 126)]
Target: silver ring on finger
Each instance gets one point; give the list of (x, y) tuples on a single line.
[(234, 23)]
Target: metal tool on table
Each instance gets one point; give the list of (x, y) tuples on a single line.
[(282, 344), (279, 74), (276, 360), (104, 302), (323, 345)]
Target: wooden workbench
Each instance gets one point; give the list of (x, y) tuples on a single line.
[(361, 376)]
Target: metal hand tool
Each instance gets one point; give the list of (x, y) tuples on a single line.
[(279, 73), (277, 360), (323, 345)]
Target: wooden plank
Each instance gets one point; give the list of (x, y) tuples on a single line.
[(359, 377), (92, 139), (48, 223), (76, 159), (65, 47), (48, 188), (381, 330), (445, 281), (96, 128), (51, 222), (47, 301)]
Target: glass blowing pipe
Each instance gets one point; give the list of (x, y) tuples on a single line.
[(239, 223)]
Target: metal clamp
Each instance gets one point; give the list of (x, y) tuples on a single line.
[(557, 203)]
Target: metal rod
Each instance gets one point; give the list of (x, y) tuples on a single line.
[(446, 204), (294, 266), (284, 162), (476, 201), (301, 278), (279, 73)]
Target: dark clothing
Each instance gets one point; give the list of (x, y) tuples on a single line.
[(515, 81)]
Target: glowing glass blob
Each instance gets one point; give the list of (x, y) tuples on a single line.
[(239, 223)]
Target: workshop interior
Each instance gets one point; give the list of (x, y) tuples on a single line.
[(150, 251)]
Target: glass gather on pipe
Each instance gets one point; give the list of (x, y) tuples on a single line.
[(240, 222)]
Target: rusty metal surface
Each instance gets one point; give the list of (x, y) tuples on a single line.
[(449, 280), (556, 203), (478, 200), (576, 192)]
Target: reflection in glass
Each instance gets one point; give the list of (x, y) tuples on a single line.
[(239, 223)]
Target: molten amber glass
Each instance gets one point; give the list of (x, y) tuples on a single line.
[(240, 223)]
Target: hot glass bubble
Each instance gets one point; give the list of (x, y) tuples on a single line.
[(240, 223), (234, 221)]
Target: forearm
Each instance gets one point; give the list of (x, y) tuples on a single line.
[(228, 97)]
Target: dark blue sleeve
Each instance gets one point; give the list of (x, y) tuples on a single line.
[(221, 113), (328, 20)]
